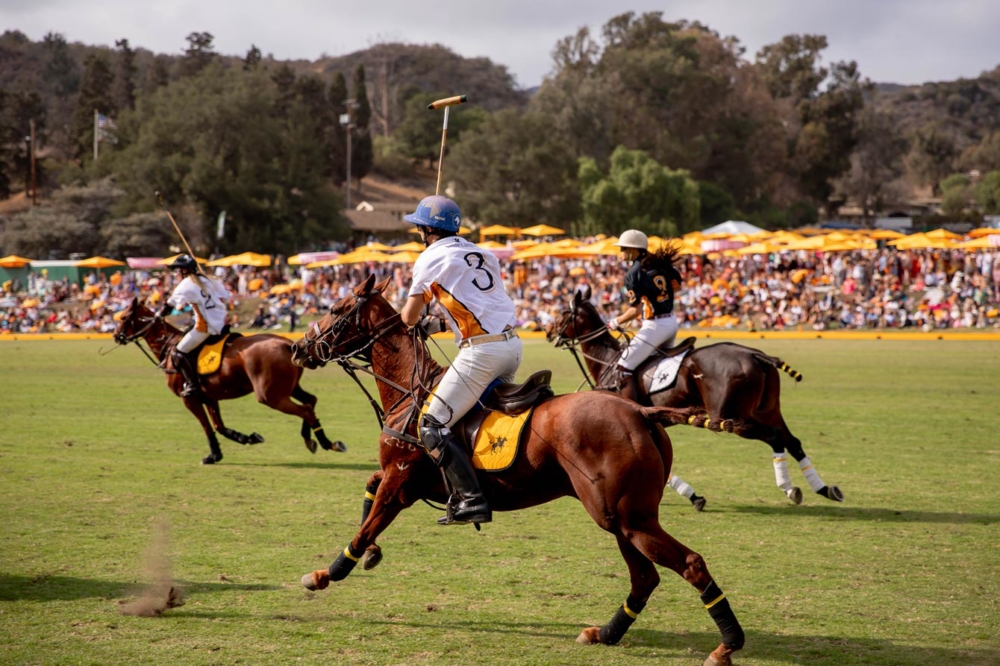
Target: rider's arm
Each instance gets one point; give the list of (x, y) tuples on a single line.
[(410, 314), (631, 313)]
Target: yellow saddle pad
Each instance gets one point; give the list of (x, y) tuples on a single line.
[(498, 441), (210, 356)]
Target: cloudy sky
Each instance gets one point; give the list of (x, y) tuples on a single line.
[(902, 41)]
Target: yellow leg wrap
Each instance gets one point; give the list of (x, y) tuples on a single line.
[(691, 420), (369, 496), (347, 554)]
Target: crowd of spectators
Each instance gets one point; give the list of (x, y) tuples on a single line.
[(865, 289)]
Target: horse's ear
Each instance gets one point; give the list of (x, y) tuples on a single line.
[(135, 302), (577, 299), (365, 287), (380, 287)]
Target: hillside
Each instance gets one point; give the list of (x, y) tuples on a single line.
[(966, 109)]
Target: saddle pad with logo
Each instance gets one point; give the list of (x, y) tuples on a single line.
[(663, 375), (210, 356), (498, 440)]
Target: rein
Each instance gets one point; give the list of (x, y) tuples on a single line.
[(139, 336), (575, 346)]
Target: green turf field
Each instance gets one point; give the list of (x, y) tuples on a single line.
[(95, 453)]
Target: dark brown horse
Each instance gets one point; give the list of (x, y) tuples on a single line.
[(726, 380), (258, 364), (609, 453)]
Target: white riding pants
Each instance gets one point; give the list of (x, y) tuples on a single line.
[(191, 340), (652, 334), (472, 371)]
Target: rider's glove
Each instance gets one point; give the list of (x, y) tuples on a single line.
[(613, 324), (431, 324), (165, 310)]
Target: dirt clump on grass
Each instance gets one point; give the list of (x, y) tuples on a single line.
[(161, 592)]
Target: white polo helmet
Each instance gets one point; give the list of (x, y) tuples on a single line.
[(633, 238)]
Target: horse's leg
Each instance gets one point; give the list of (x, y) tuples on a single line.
[(215, 453), (644, 580), (229, 433), (311, 424), (794, 447), (682, 488), (373, 554), (388, 502)]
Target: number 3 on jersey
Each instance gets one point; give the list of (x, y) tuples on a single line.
[(477, 265)]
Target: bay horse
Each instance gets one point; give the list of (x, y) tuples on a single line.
[(610, 453), (258, 364), (726, 380)]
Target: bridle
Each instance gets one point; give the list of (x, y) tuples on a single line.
[(574, 343), (357, 358), (139, 335)]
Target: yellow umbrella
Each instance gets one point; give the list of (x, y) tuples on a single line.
[(381, 247), (980, 243), (412, 246), (813, 243), (14, 261), (98, 262), (542, 230), (498, 230), (245, 259), (169, 260), (462, 231), (521, 244), (975, 233), (493, 245), (886, 234), (759, 248), (943, 234), (404, 257), (922, 242)]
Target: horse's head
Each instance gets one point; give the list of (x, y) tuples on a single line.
[(133, 322), (577, 321), (348, 329)]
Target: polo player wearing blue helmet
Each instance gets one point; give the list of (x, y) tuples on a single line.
[(466, 282)]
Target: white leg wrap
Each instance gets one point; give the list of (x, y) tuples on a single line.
[(680, 485), (781, 477), (812, 477)]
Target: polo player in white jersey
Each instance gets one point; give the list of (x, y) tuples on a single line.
[(465, 280)]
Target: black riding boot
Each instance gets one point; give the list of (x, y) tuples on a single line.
[(624, 378), (185, 365), (468, 504)]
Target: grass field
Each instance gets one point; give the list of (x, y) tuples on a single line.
[(94, 454)]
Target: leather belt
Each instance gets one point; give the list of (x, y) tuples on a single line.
[(669, 314), (483, 339)]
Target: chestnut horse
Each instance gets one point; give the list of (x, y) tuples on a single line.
[(609, 453), (258, 364), (726, 380)]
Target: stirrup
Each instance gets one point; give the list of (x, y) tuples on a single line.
[(190, 390), (480, 514)]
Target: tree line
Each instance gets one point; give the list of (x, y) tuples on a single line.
[(664, 126)]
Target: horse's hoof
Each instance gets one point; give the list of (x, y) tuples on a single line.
[(317, 580), (255, 438), (589, 636), (311, 445), (372, 558), (720, 657), (211, 459), (832, 493), (699, 504), (339, 446), (795, 495)]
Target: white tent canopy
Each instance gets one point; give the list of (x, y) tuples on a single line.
[(732, 228)]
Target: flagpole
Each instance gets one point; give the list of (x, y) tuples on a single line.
[(96, 130)]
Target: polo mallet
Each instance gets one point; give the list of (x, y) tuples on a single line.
[(445, 104), (159, 200)]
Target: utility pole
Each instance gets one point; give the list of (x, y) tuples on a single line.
[(345, 120), (34, 184)]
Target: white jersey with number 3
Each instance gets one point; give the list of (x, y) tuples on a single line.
[(465, 280), (209, 303)]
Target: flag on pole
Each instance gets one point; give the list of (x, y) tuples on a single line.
[(221, 228), (105, 128)]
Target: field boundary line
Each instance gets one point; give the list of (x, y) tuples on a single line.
[(708, 335)]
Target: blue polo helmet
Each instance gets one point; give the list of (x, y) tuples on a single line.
[(437, 212)]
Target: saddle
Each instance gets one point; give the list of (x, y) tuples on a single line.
[(646, 374), (211, 350), (513, 402)]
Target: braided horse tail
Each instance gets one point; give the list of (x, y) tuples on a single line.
[(775, 362)]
